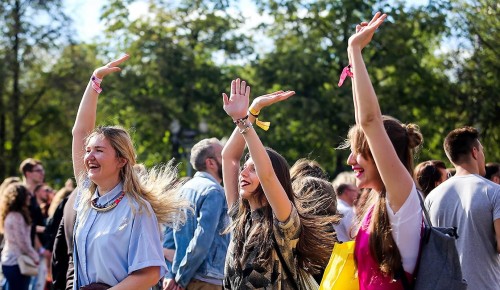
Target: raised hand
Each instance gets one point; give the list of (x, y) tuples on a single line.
[(111, 67), (365, 31), (266, 100), (236, 105)]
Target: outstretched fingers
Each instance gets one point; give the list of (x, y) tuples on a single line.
[(247, 92), (111, 67), (118, 61), (375, 17), (379, 21), (225, 99), (243, 86), (233, 87)]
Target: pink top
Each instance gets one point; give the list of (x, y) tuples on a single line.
[(369, 275), (17, 239)]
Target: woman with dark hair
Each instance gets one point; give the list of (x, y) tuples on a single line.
[(273, 244), (429, 174), (382, 148), (15, 223)]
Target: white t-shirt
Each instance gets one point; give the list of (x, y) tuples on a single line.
[(406, 229), (344, 227)]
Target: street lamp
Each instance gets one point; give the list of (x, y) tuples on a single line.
[(183, 139)]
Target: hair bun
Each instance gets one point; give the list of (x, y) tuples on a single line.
[(415, 137)]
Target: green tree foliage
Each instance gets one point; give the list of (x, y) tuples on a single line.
[(25, 54), (436, 65), (311, 43), (475, 64), (172, 74)]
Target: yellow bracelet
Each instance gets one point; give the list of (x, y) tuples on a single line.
[(262, 124), (253, 112)]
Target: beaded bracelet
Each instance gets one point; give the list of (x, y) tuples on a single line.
[(240, 121)]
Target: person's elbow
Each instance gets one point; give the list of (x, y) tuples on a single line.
[(151, 276), (367, 120)]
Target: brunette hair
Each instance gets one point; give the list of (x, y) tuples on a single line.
[(459, 142), (306, 167), (316, 205), (405, 139), (158, 186), (492, 170), (14, 200), (28, 164), (315, 241), (427, 174), (7, 181)]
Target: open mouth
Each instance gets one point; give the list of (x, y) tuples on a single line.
[(358, 171), (92, 166)]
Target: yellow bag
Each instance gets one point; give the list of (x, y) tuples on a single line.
[(341, 272)]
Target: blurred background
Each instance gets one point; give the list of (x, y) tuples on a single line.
[(434, 63)]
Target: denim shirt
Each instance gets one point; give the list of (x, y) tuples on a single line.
[(200, 245)]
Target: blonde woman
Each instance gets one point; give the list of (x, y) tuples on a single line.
[(117, 235)]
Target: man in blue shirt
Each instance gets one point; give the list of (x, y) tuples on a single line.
[(200, 245)]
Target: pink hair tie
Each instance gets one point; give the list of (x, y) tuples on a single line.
[(345, 72), (96, 84)]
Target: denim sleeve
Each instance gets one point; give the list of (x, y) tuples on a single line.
[(209, 211), (168, 238), (168, 243), (169, 274)]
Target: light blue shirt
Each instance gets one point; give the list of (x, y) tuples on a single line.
[(111, 245)]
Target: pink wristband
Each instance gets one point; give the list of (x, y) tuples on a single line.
[(345, 72), (96, 84), (96, 79)]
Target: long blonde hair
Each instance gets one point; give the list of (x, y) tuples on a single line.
[(158, 186)]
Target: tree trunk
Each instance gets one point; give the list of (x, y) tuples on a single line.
[(16, 93)]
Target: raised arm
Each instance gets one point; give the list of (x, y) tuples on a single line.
[(397, 180), (236, 106), (235, 146), (86, 116)]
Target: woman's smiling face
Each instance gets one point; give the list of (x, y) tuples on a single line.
[(248, 179), (101, 160), (367, 175)]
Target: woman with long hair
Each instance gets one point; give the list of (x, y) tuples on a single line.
[(119, 209), (15, 224), (387, 242), (274, 245)]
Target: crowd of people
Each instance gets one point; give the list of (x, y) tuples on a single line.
[(249, 221)]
